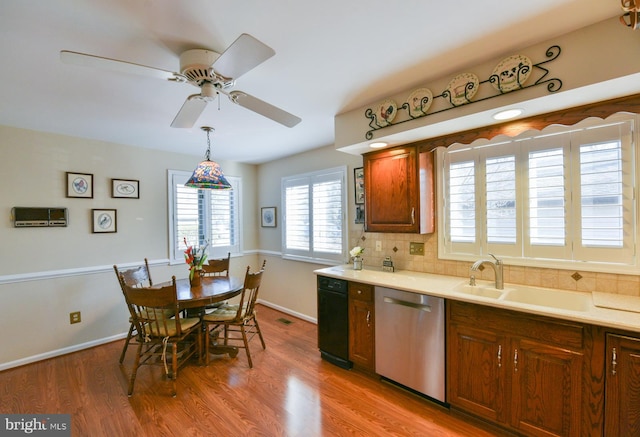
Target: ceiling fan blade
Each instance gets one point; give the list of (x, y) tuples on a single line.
[(244, 54), (190, 112), (263, 108), (86, 60)]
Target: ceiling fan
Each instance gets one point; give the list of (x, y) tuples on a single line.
[(212, 72)]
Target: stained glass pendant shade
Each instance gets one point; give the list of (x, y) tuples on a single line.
[(208, 174)]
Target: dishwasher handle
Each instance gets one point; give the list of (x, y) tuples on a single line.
[(417, 306)]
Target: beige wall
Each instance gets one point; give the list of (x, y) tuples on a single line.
[(587, 281), (46, 273), (292, 284), (597, 62)]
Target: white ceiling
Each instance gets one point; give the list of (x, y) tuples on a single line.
[(331, 56)]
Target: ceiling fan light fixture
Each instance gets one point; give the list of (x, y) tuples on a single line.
[(208, 174)]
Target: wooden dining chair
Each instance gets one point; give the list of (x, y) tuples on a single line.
[(217, 267), (134, 277), (161, 338), (238, 318)]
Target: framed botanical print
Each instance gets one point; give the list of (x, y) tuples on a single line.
[(127, 188), (358, 180), (104, 221), (268, 217), (80, 185)]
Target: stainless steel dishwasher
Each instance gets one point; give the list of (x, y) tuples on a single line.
[(410, 340)]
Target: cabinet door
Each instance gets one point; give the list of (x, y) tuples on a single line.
[(477, 371), (361, 340), (361, 326), (546, 389), (391, 191), (622, 386)]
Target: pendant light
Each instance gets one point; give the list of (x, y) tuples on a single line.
[(208, 174)]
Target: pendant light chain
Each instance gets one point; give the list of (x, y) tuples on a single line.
[(207, 156)]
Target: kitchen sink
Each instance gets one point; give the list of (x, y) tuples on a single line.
[(543, 297), (483, 290), (558, 299)]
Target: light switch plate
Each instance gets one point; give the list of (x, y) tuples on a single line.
[(416, 249), (74, 317)]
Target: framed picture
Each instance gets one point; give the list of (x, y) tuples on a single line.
[(359, 214), (127, 188), (104, 221), (268, 215), (80, 185), (358, 180)]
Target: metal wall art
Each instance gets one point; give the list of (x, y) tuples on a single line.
[(509, 75)]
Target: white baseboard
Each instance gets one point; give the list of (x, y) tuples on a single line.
[(287, 311), (90, 344), (59, 352)]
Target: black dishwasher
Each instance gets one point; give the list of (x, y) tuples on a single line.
[(333, 321)]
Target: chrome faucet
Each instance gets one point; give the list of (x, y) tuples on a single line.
[(497, 269)]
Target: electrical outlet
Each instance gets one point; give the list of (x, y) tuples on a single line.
[(416, 249), (378, 246), (74, 317)]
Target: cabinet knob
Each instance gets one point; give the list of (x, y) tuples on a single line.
[(359, 291)]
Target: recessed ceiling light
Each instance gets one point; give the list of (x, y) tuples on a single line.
[(508, 114), (377, 145)]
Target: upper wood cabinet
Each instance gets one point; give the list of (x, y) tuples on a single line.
[(398, 187)]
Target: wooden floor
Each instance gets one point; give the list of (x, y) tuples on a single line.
[(289, 392)]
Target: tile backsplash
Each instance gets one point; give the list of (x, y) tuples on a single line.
[(397, 247)]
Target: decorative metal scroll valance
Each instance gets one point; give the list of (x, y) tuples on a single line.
[(510, 75)]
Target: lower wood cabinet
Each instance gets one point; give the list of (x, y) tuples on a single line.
[(520, 371), (362, 326), (476, 371), (622, 386), (546, 388)]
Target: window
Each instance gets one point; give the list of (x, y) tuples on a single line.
[(314, 223), (563, 195), (203, 216)]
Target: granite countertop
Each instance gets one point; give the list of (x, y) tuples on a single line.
[(603, 309)]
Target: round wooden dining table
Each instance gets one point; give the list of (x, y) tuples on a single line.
[(211, 290)]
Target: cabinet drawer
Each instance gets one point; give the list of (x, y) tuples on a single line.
[(360, 291), (552, 331)]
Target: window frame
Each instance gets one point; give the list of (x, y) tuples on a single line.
[(176, 251), (527, 257), (311, 255)]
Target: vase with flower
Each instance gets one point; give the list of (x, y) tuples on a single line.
[(356, 254), (195, 258)]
